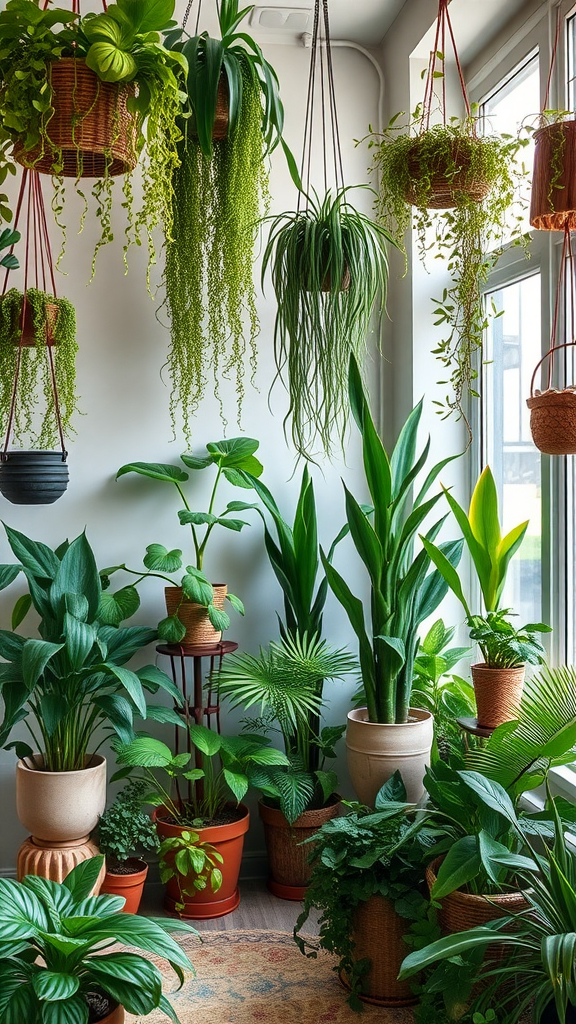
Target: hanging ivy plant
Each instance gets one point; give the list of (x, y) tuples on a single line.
[(35, 418)]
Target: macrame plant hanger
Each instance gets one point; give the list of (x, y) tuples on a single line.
[(444, 31)]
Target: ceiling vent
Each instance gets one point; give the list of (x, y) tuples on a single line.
[(282, 19)]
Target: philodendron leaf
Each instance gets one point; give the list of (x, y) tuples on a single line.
[(155, 470), (219, 619), (236, 603), (197, 590), (207, 741), (171, 630), (159, 559), (110, 63), (114, 608), (234, 451)]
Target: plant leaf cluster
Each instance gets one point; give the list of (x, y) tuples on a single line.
[(124, 829), (57, 950), (192, 862), (437, 689), (502, 645)]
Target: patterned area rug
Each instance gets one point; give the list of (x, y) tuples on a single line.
[(262, 978)]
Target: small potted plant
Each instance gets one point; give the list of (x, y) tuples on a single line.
[(498, 681), (124, 830), (43, 976), (447, 696), (196, 615), (286, 684), (199, 815)]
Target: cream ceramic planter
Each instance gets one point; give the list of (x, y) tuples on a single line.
[(59, 807), (376, 751)]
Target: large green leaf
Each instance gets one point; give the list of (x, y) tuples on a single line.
[(54, 986), (159, 559), (123, 643), (447, 570), (131, 684), (365, 540), (73, 1011), (145, 752), (491, 793), (404, 453), (8, 574), (452, 946), (77, 573), (130, 979), (234, 452), (115, 608), (483, 513), (140, 933), (80, 638), (155, 470), (23, 915), (148, 15), (207, 741), (36, 654), (460, 865), (82, 879), (197, 590), (38, 558)]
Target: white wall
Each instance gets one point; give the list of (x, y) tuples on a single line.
[(122, 349)]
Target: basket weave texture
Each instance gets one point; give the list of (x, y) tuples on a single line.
[(199, 630), (462, 910), (447, 187), (498, 692), (554, 208), (378, 935), (91, 126), (288, 860), (553, 421)]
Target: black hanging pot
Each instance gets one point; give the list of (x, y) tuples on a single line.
[(33, 478), (550, 1016)]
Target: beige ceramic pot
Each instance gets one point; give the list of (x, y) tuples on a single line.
[(57, 807), (498, 692), (376, 751), (194, 617)]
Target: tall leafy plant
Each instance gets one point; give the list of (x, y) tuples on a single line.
[(403, 593)]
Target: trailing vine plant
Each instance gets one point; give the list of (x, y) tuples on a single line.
[(35, 420)]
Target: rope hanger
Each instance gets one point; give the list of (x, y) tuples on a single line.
[(321, 77), (443, 28)]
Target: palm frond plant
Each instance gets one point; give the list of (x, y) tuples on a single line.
[(329, 270), (220, 192)]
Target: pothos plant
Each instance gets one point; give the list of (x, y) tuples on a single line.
[(232, 459), (120, 46), (53, 322), (483, 175), (220, 191)]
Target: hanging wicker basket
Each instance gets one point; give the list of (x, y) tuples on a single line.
[(553, 198), (553, 414), (448, 179), (26, 335), (91, 134)]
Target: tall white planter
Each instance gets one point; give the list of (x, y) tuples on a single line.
[(59, 807), (375, 751)]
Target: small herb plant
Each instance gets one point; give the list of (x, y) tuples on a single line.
[(124, 829), (469, 236), (34, 379), (232, 459), (286, 682)]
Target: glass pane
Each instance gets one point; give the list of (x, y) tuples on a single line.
[(512, 351), (571, 25)]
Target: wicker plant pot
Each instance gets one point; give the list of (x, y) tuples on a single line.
[(199, 630), (461, 910), (25, 335), (553, 198), (91, 133), (498, 692), (447, 188), (378, 936), (553, 414), (288, 861)]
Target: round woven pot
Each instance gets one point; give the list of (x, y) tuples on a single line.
[(288, 861), (378, 936), (194, 617), (461, 910), (447, 187), (553, 196), (59, 806), (375, 751), (129, 886), (91, 133), (26, 335), (498, 692), (33, 478), (553, 421)]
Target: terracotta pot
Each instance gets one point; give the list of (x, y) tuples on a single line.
[(288, 861), (129, 886), (378, 936), (56, 860), (462, 910), (229, 841), (199, 630), (498, 692), (553, 195), (57, 807), (375, 751), (446, 180), (117, 1016)]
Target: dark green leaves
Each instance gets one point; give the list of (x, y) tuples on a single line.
[(159, 559), (155, 470)]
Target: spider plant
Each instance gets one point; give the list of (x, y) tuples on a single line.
[(287, 683), (329, 271)]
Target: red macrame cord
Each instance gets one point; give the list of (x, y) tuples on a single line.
[(443, 23)]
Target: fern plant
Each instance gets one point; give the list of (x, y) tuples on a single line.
[(286, 682)]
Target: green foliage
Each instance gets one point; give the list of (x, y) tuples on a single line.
[(438, 690), (403, 592), (56, 950), (234, 460), (125, 829), (8, 239), (34, 379), (193, 863), (6, 167), (469, 236), (72, 682), (502, 645), (227, 762), (286, 682), (360, 855), (329, 271)]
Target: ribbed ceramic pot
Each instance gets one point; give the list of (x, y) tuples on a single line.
[(33, 478), (56, 860), (378, 935), (194, 617), (498, 693), (288, 861), (375, 751), (56, 807)]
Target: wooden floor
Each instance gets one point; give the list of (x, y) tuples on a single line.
[(258, 910)]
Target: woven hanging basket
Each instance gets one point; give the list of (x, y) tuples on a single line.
[(553, 415), (91, 133), (378, 935), (26, 335), (194, 617), (447, 180), (553, 198)]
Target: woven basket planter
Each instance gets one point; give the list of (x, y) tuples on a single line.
[(378, 933), (498, 692), (288, 861), (461, 910), (194, 617), (447, 187), (91, 133), (26, 336), (553, 414), (553, 197)]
